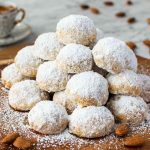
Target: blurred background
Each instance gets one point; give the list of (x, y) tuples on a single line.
[(124, 19)]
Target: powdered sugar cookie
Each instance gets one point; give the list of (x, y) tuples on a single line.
[(114, 55), (62, 99), (26, 62), (76, 29), (74, 58), (88, 88), (25, 94), (127, 82), (145, 87), (11, 75), (50, 78), (47, 46), (47, 117), (128, 109), (91, 122)]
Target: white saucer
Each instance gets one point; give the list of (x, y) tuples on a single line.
[(20, 32)]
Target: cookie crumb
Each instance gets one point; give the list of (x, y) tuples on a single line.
[(94, 10), (121, 14)]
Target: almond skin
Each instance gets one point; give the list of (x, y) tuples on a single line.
[(22, 143), (122, 130), (9, 138), (133, 141)]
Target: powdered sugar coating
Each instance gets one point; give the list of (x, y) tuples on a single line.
[(88, 88), (128, 109), (62, 99), (47, 117), (114, 55), (145, 87), (50, 78), (127, 82), (26, 62), (11, 75), (76, 29), (47, 46), (74, 58), (25, 94), (99, 35), (91, 122)]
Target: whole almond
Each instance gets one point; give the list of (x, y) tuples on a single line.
[(131, 45), (9, 138), (147, 42), (133, 141), (22, 143), (95, 10), (122, 129), (120, 14), (148, 20)]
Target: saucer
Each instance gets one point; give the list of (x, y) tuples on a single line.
[(20, 32)]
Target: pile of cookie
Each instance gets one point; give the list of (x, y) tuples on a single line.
[(92, 78)]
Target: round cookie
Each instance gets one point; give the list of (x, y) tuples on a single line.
[(50, 78), (76, 29), (145, 87), (47, 117), (26, 62), (74, 58), (88, 88), (25, 94), (127, 82), (91, 122), (114, 55), (11, 75), (47, 46), (62, 99), (128, 109)]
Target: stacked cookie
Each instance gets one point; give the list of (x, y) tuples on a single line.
[(80, 69)]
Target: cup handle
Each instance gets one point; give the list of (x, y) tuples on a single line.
[(23, 13)]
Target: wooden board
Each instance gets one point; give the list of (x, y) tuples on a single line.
[(94, 144)]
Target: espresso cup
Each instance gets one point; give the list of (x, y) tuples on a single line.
[(8, 14)]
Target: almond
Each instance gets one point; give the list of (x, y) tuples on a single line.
[(122, 129), (129, 2), (133, 141), (131, 20), (131, 45), (148, 20), (108, 3), (9, 138), (95, 10), (22, 143), (121, 14), (147, 42), (84, 6)]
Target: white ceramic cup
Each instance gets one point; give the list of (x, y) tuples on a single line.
[(8, 18)]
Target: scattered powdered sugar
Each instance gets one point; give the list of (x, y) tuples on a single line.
[(110, 53), (11, 120), (88, 85), (47, 46)]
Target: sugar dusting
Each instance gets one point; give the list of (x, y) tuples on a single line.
[(17, 121)]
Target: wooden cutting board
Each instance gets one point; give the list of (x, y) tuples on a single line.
[(112, 144)]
